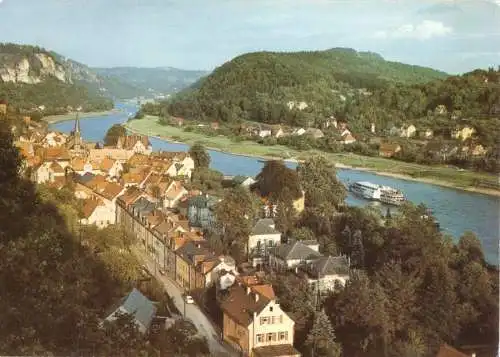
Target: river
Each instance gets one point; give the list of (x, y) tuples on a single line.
[(457, 211)]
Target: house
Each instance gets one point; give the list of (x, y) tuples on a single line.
[(95, 212), (395, 131), (178, 163), (138, 306), (325, 272), (244, 181), (135, 143), (448, 351), (441, 110), (347, 137), (463, 133), (427, 133), (121, 155), (388, 149), (81, 166), (173, 194), (188, 257), (111, 167), (278, 132), (479, 151), (299, 203), (262, 237), (255, 324), (264, 131), (408, 131), (54, 139), (48, 171), (291, 255), (178, 121), (298, 131), (200, 210), (315, 133), (3, 107)]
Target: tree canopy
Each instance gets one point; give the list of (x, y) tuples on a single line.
[(200, 156), (113, 134)]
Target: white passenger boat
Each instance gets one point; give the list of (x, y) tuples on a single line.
[(371, 191)]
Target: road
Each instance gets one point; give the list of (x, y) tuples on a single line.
[(193, 312)]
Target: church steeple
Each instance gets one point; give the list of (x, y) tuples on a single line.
[(76, 129)]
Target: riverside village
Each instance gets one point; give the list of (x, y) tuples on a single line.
[(228, 251)]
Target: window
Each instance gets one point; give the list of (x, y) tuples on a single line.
[(271, 308), (283, 336), (271, 337), (281, 319), (264, 320), (260, 338)]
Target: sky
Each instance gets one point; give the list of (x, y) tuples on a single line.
[(455, 36)]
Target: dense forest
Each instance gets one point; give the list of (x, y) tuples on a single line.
[(411, 286), (55, 96)]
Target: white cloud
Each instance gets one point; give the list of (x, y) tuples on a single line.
[(423, 31)]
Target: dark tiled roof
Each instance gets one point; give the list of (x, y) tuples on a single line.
[(140, 307), (192, 249), (143, 206), (295, 250), (202, 201), (264, 226), (331, 265)]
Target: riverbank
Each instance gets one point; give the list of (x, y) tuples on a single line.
[(51, 119), (442, 176)]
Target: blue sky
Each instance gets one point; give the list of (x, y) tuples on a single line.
[(451, 35)]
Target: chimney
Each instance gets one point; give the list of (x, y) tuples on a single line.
[(248, 290), (473, 355), (256, 297)]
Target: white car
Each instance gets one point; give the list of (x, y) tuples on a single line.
[(188, 299)]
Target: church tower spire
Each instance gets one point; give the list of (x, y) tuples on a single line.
[(76, 129)]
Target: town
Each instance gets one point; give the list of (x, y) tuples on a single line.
[(225, 249)]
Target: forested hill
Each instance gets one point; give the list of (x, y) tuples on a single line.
[(32, 78), (259, 85)]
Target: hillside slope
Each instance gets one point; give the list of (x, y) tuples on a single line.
[(32, 77), (152, 81), (264, 86)]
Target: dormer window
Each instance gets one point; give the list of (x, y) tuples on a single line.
[(271, 308)]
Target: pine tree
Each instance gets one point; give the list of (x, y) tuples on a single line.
[(321, 339), (358, 250)]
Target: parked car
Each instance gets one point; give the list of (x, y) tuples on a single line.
[(188, 299)]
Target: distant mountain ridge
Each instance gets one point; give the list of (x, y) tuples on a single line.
[(153, 81)]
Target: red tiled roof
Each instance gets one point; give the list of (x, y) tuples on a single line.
[(89, 207)]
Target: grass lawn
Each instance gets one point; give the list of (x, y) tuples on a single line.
[(436, 174)]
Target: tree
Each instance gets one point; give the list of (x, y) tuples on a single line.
[(200, 156), (321, 338), (324, 193), (275, 179), (286, 214), (113, 133), (235, 215)]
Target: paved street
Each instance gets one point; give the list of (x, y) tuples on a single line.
[(193, 312)]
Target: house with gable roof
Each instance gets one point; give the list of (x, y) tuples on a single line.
[(95, 212), (325, 272), (138, 306), (255, 324), (291, 255)]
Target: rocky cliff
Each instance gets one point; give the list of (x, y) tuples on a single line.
[(31, 69)]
